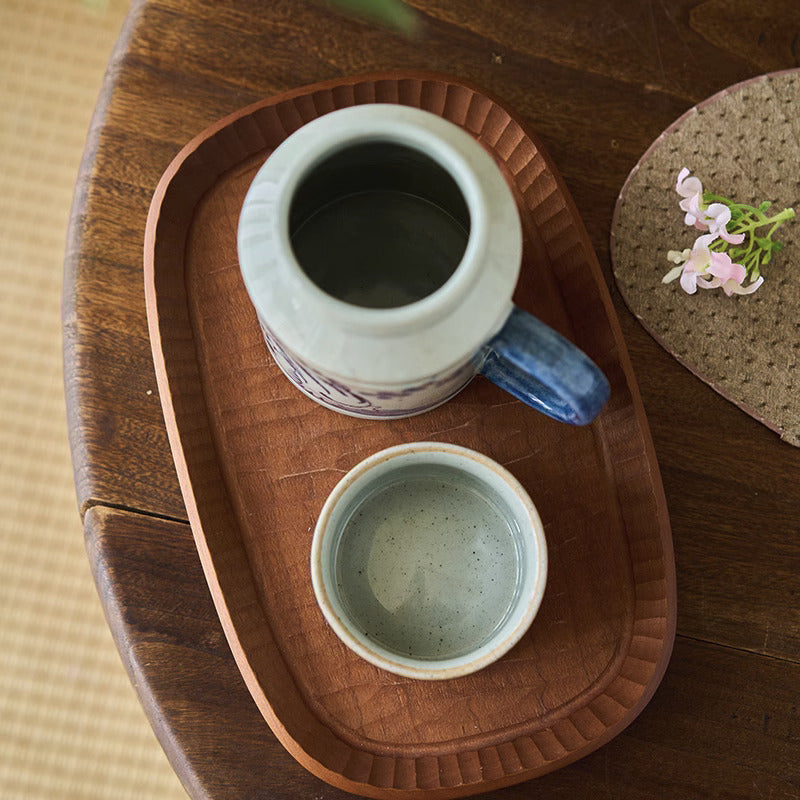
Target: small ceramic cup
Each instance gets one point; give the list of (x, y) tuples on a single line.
[(380, 246), (429, 560)]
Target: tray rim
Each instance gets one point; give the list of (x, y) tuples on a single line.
[(163, 376)]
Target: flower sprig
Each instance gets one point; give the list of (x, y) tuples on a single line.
[(734, 231)]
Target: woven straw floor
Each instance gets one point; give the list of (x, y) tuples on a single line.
[(70, 723)]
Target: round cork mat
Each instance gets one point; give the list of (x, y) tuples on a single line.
[(743, 143)]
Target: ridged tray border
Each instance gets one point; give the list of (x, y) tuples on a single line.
[(621, 434)]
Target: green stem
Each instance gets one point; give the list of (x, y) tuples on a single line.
[(779, 219), (747, 220)]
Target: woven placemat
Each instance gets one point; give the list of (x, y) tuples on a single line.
[(744, 144), (71, 727)]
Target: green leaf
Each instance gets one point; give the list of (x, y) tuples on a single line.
[(392, 14), (763, 243)]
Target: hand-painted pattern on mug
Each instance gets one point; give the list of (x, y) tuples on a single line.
[(362, 402)]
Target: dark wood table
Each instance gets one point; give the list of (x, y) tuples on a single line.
[(597, 81)]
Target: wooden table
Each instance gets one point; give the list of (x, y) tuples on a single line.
[(597, 82)]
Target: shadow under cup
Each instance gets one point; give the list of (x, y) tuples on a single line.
[(378, 224)]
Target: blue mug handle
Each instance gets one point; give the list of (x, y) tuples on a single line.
[(539, 366)]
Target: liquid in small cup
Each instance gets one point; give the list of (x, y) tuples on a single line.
[(426, 568)]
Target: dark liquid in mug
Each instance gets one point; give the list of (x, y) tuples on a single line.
[(379, 225)]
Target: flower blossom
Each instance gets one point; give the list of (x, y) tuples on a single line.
[(691, 190), (714, 218), (701, 267), (729, 276), (720, 259)]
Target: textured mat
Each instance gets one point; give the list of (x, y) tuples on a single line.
[(744, 144), (70, 723)]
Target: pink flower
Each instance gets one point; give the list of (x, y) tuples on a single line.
[(708, 264), (700, 267), (691, 189), (695, 266), (729, 276), (715, 220)]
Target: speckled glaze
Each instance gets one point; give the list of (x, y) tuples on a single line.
[(390, 313), (429, 560)]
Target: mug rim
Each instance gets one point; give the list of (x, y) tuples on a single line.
[(452, 291), (527, 600), (382, 347)]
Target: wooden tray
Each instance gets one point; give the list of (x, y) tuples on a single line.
[(256, 459)]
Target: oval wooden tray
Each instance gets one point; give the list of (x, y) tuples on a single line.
[(256, 460)]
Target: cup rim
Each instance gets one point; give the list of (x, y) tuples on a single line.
[(381, 347), (525, 607), (407, 133)]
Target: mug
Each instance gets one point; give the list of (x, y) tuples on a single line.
[(429, 560), (380, 245)]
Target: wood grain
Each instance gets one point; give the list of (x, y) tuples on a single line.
[(598, 83), (723, 721)]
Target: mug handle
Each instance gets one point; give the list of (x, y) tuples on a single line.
[(540, 367)]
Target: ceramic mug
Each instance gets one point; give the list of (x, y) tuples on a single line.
[(380, 245), (429, 560)]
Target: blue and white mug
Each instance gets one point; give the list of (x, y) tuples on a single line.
[(380, 245)]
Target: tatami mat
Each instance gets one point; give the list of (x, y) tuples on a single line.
[(70, 723)]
